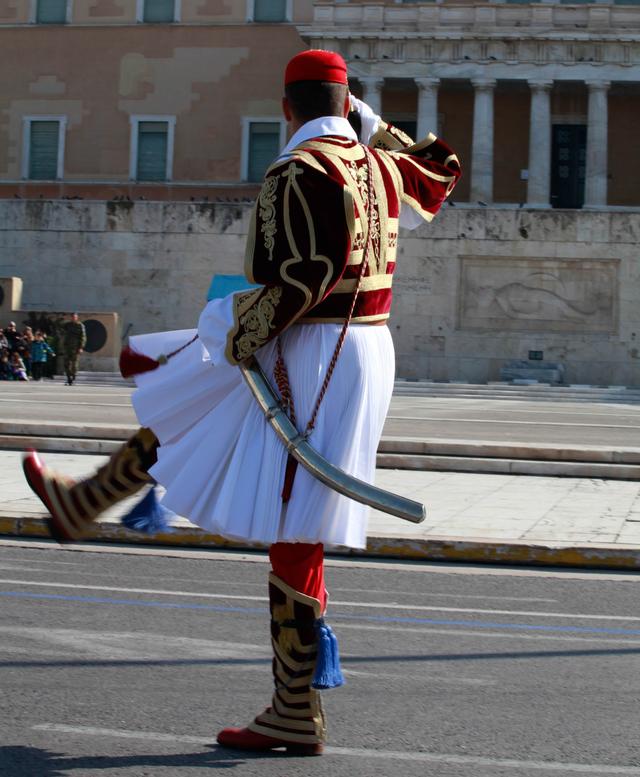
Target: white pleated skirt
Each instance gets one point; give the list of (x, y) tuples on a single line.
[(221, 464)]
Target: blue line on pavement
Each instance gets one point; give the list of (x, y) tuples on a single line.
[(334, 616)]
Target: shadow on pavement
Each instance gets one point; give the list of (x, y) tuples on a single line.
[(420, 658), (25, 761)]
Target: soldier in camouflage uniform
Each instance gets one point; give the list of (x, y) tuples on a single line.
[(74, 338)]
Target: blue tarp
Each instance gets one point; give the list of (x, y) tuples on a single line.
[(221, 285)]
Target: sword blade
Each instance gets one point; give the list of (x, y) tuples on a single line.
[(308, 457)]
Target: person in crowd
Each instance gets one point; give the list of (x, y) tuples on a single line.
[(4, 343), (73, 341), (40, 351), (5, 368), (18, 370), (25, 348), (13, 338), (50, 367)]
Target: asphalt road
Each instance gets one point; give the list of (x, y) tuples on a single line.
[(117, 664), (455, 418)]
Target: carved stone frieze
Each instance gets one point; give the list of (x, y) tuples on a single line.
[(467, 48), (514, 294), (528, 34)]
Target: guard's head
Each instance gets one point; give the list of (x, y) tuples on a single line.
[(315, 84)]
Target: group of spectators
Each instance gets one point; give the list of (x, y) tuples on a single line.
[(30, 356), (26, 355)]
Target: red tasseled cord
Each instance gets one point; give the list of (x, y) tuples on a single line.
[(134, 363)]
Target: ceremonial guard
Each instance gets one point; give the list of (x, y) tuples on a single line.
[(74, 339), (322, 245)]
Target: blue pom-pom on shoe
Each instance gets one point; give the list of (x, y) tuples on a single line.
[(149, 516), (328, 673)]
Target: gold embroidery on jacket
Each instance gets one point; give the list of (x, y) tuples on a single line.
[(354, 151), (389, 138), (257, 323), (293, 188), (268, 213), (380, 228), (359, 175)]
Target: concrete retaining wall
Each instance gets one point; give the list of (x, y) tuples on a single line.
[(473, 289)]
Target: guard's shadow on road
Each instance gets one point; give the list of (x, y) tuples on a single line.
[(24, 761)]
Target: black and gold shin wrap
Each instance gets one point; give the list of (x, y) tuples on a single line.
[(78, 504), (295, 714)]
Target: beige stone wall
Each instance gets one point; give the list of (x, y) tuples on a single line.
[(207, 77), (104, 12), (473, 289), (482, 286), (14, 12)]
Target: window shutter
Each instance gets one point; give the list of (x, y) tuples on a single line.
[(152, 151), (264, 146), (270, 11), (43, 150), (159, 11), (51, 12)]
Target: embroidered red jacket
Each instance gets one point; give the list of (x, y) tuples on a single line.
[(310, 227)]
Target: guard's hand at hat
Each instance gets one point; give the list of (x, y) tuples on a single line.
[(370, 121)]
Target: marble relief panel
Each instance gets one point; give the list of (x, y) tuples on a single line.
[(512, 294)]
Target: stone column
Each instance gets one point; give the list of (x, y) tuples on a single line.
[(427, 106), (372, 92), (539, 184), (595, 186), (482, 149)]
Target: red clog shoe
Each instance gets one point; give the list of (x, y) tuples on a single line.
[(244, 739), (47, 488)]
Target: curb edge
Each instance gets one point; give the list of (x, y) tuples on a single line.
[(442, 549)]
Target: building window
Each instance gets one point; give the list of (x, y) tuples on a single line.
[(270, 10), (158, 11), (152, 148), (51, 11), (43, 148), (262, 141)]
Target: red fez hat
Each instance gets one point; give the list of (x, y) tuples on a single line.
[(316, 65)]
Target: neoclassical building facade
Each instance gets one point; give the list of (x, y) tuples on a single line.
[(542, 97), (171, 98)]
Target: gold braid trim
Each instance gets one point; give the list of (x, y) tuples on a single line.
[(257, 323), (268, 212)]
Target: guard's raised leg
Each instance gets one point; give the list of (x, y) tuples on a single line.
[(72, 505)]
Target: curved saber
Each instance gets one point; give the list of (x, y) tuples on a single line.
[(316, 464)]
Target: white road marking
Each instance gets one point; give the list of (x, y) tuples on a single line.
[(350, 562), (476, 635), (442, 758), (261, 585), (439, 595), (420, 676), (365, 605), (137, 645)]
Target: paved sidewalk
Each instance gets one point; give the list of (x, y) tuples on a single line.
[(470, 517)]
